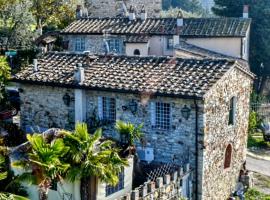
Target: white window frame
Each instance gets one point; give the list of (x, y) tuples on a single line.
[(158, 120), (107, 109), (168, 46), (80, 44), (114, 45)]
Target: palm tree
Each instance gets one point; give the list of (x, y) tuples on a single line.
[(44, 162), (3, 175), (91, 156), (129, 133)]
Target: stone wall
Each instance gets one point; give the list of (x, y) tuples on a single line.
[(43, 107), (93, 43), (112, 8), (218, 182)]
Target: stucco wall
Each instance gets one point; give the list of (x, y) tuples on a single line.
[(142, 47), (158, 46), (218, 182), (226, 46), (128, 178)]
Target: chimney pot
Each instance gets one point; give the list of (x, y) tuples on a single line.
[(132, 15), (143, 13), (35, 65), (246, 11), (180, 20)]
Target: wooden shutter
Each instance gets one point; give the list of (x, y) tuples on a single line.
[(153, 113), (100, 108)]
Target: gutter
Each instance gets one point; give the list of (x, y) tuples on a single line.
[(196, 149)]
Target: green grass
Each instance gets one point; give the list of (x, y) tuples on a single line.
[(253, 194), (257, 141)]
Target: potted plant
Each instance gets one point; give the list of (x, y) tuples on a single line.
[(129, 134)]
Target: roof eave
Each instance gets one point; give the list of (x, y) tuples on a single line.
[(53, 84)]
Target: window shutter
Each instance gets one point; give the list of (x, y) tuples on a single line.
[(100, 108), (153, 113)]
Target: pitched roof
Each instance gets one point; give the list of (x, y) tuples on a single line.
[(193, 27), (197, 52), (163, 76)]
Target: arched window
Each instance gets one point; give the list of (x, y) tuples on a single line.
[(137, 52), (228, 156)]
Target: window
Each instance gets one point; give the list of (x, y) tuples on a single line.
[(112, 189), (228, 156), (114, 45), (169, 43), (162, 115), (107, 109), (80, 44), (232, 111), (137, 52)]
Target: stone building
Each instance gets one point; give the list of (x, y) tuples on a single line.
[(113, 8), (194, 110), (141, 35)]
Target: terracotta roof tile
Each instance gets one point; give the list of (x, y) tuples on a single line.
[(159, 75), (193, 27)]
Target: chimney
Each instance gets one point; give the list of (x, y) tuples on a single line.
[(79, 73), (35, 65), (246, 11), (143, 13), (132, 15), (180, 20), (79, 12)]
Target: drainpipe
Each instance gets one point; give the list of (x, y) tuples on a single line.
[(196, 148)]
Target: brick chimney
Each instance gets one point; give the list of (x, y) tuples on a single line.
[(246, 11)]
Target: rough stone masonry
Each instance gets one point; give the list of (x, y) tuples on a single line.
[(112, 8)]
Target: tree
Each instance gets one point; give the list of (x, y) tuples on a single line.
[(260, 29), (4, 76), (56, 13), (3, 175), (130, 132), (16, 23), (90, 156), (193, 6), (45, 160)]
